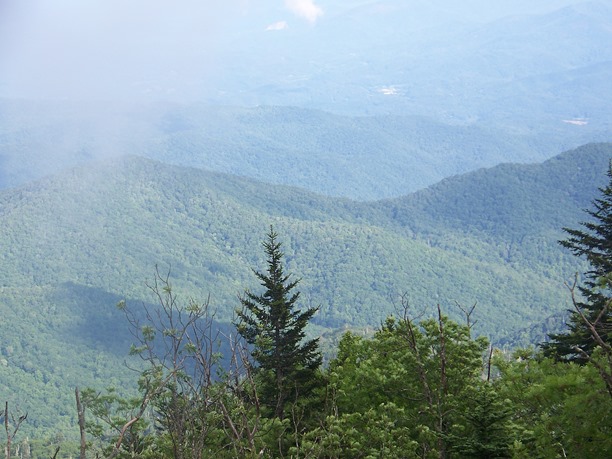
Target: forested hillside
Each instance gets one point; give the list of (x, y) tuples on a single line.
[(76, 243), (510, 200), (355, 157)]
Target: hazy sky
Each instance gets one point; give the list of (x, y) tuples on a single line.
[(185, 49), (113, 48)]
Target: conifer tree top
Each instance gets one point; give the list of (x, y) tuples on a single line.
[(594, 242), (274, 325)]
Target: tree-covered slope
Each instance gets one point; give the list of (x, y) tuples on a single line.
[(356, 157), (73, 244), (107, 226), (510, 200)]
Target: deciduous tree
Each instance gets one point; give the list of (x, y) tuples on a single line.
[(425, 370)]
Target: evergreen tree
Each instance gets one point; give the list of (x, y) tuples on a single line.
[(275, 327), (594, 242), (488, 430)]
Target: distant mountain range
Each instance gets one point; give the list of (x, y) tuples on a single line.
[(508, 63), (517, 63), (73, 244), (373, 99), (361, 158)]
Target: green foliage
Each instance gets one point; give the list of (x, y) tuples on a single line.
[(486, 431), (427, 370), (560, 409), (380, 432), (107, 414)]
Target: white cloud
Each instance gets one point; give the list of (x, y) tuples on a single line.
[(280, 25), (305, 9)]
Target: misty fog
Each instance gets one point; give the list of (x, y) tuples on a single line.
[(193, 50)]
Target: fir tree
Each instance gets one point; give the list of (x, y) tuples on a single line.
[(488, 431), (594, 242), (275, 327)]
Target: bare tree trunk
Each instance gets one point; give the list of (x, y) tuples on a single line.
[(11, 435), (468, 316), (605, 373), (489, 363), (81, 419), (443, 387), (7, 450)]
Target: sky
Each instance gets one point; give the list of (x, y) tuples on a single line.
[(82, 49), (185, 50)]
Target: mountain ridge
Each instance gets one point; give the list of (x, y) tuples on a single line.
[(82, 208), (364, 158)]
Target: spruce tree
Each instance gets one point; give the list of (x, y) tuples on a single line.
[(488, 430), (594, 242), (275, 327)]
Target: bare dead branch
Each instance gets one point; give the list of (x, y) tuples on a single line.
[(489, 362), (605, 373), (468, 314), (10, 436), (81, 420)]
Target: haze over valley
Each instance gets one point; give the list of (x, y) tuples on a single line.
[(444, 88)]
